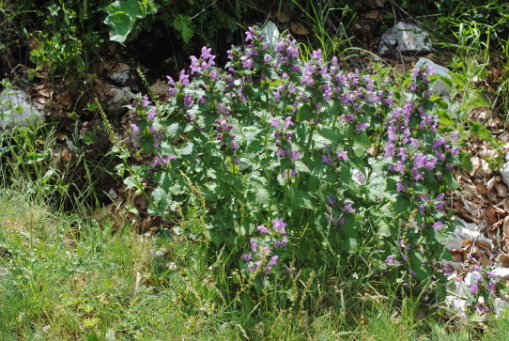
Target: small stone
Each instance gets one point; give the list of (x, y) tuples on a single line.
[(439, 87), (16, 111), (500, 273), (271, 32), (500, 307), (406, 39), (504, 172), (501, 190)]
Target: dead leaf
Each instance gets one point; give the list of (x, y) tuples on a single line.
[(282, 16), (503, 260), (298, 28), (490, 216)]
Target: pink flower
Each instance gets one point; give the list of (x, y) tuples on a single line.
[(263, 229)]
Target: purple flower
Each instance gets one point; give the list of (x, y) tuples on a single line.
[(254, 245), (281, 153), (263, 229), (437, 226), (474, 287), (135, 128), (281, 243), (151, 115), (348, 207), (184, 78), (400, 187), (288, 122), (390, 260), (273, 261), (247, 257), (343, 156), (248, 63), (295, 155), (234, 145), (250, 34), (420, 160), (431, 164), (278, 224), (163, 161), (327, 159), (188, 100), (205, 53), (361, 126)]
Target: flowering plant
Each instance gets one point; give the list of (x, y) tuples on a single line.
[(349, 161)]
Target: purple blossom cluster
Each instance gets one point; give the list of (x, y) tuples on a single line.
[(146, 113), (418, 150), (225, 135), (260, 259), (285, 148)]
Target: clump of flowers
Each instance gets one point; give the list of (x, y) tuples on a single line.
[(264, 251), (349, 159)]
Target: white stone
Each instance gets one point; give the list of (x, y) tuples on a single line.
[(500, 273), (270, 32), (358, 176), (500, 307), (504, 172), (439, 87), (16, 111), (467, 231), (456, 303)]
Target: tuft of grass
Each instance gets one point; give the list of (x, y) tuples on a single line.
[(64, 277)]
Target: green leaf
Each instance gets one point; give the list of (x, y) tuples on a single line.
[(480, 131), (184, 23), (121, 18), (361, 144)]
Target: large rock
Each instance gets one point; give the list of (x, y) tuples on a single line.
[(16, 111), (406, 39)]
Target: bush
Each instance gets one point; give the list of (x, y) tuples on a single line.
[(291, 165)]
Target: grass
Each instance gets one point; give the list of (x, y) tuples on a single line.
[(69, 278)]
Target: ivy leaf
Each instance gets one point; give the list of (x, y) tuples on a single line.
[(121, 18), (184, 24)]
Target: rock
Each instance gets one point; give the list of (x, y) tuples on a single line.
[(16, 111), (469, 231), (122, 74), (500, 273), (438, 87), (504, 172), (501, 190), (404, 38), (358, 176), (113, 98), (270, 32), (500, 307)]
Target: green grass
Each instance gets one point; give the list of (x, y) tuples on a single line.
[(70, 278)]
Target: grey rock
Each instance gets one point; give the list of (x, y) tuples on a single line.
[(500, 273), (114, 98), (270, 32), (439, 87), (122, 74), (501, 307), (16, 111), (404, 38)]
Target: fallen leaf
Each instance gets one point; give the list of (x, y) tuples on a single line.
[(298, 28)]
